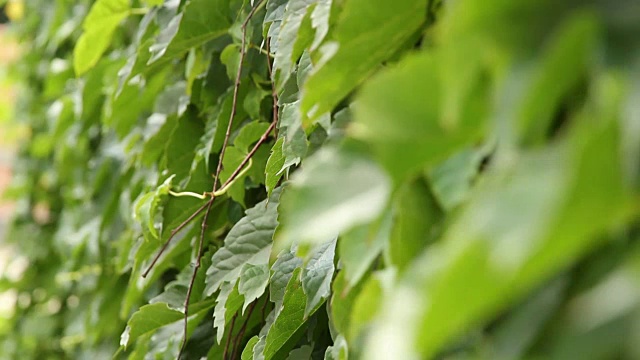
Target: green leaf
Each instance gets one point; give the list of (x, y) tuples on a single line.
[(417, 218), (343, 296), (290, 319), (367, 303), (228, 302), (248, 242), (301, 353), (399, 114), (232, 159), (249, 135), (565, 63), (99, 25), (338, 351), (377, 32), (360, 246), (175, 292), (275, 163), (451, 181), (528, 220), (253, 282), (281, 273), (201, 21), (153, 2), (316, 207), (247, 353), (317, 274), (149, 318), (296, 18), (146, 207), (181, 148)]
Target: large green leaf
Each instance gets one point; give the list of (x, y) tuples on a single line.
[(528, 219), (199, 22), (248, 242), (399, 114), (378, 32), (99, 25), (316, 207)]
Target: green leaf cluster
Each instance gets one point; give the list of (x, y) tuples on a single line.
[(407, 179)]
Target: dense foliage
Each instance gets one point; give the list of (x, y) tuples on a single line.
[(333, 179)]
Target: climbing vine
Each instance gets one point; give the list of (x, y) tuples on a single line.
[(325, 179)]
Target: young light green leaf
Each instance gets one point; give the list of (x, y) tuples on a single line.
[(99, 25), (342, 66), (316, 207), (146, 207), (317, 274), (248, 242)]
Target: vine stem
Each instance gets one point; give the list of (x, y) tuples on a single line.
[(226, 345), (243, 328), (222, 151), (236, 89), (240, 169)]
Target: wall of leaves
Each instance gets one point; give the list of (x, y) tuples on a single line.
[(327, 179)]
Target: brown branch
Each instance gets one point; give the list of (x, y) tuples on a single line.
[(240, 334), (173, 233), (222, 151), (236, 89), (234, 105), (226, 345), (274, 92), (197, 265)]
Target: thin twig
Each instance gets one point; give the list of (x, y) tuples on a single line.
[(274, 92), (236, 89), (240, 334), (196, 266), (221, 156), (236, 172), (226, 345)]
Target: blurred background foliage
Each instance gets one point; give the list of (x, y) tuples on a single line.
[(448, 179)]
